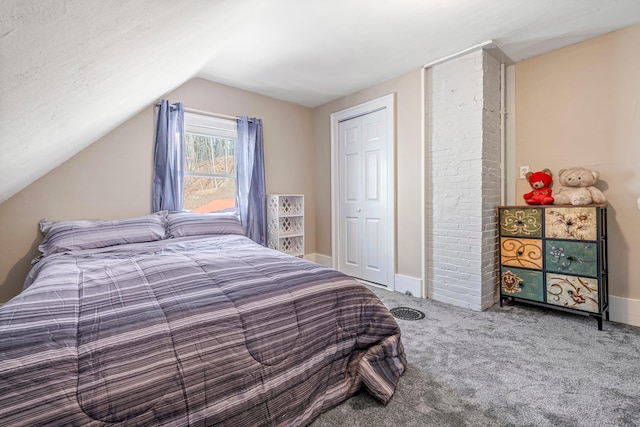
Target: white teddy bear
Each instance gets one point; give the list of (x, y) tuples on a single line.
[(578, 187)]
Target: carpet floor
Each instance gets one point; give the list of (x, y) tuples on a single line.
[(515, 365)]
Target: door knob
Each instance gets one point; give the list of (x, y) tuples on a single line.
[(359, 210)]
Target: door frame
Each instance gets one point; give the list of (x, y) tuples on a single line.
[(388, 103)]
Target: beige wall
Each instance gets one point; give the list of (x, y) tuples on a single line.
[(574, 106), (112, 177), (580, 106), (408, 143)]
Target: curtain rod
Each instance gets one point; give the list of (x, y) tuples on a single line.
[(207, 113)]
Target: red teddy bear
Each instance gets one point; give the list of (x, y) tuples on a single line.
[(540, 182)]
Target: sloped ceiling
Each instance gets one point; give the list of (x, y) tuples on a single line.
[(72, 70)]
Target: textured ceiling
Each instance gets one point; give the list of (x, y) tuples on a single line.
[(72, 70)]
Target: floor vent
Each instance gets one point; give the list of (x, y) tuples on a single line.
[(406, 313)]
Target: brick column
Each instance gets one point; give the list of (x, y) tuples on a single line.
[(463, 179)]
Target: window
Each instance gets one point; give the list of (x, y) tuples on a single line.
[(209, 170)]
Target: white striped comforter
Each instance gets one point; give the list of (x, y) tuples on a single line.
[(206, 331)]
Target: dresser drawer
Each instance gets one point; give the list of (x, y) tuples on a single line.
[(525, 253), (577, 223), (521, 222), (520, 283), (580, 293), (568, 257)]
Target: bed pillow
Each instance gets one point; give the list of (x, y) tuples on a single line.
[(61, 236), (183, 224)]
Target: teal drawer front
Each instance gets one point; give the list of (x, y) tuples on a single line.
[(521, 222), (576, 258), (521, 283)]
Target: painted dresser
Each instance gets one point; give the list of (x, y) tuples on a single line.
[(555, 256)]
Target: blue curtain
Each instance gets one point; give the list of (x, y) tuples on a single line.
[(250, 179), (168, 157)]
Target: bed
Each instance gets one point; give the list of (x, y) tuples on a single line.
[(179, 319)]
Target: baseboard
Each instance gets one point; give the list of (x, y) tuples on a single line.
[(325, 260), (624, 310), (403, 284), (408, 284)]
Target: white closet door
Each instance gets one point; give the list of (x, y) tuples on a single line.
[(363, 197)]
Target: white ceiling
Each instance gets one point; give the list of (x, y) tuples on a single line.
[(72, 70)]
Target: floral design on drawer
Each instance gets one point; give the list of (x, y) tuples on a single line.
[(576, 223), (579, 258), (580, 293), (521, 283), (521, 252), (524, 222)]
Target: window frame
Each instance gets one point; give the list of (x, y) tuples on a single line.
[(215, 127)]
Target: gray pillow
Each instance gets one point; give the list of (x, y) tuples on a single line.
[(62, 236), (183, 224)]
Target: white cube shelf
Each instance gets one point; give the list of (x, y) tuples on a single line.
[(285, 223)]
